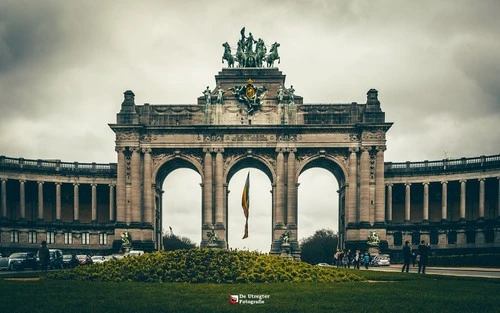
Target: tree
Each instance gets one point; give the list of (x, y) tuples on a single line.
[(173, 242), (320, 247)]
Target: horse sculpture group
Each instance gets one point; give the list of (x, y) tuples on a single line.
[(247, 56)]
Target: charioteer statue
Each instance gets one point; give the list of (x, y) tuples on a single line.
[(247, 56)]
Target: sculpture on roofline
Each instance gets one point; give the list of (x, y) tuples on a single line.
[(247, 56)]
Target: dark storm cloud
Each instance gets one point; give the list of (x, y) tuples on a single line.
[(29, 33)]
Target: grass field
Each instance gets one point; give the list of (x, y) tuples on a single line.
[(381, 292)]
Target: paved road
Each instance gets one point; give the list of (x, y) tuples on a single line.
[(450, 271)]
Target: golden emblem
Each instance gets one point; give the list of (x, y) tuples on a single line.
[(250, 92)]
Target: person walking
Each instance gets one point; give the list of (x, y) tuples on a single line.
[(423, 250), (406, 256), (44, 256)]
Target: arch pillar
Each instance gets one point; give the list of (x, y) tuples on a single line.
[(352, 207), (364, 216), (291, 220), (379, 188), (279, 209)]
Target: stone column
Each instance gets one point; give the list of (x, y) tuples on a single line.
[(365, 185), (353, 187), (389, 202), (40, 200), (58, 201), (426, 203), (280, 187), (111, 202), (462, 199), (207, 218), (4, 197), (148, 183), (94, 203), (135, 184), (22, 199), (444, 200), (292, 190), (219, 187), (380, 187), (407, 202), (121, 176), (481, 198), (76, 201)]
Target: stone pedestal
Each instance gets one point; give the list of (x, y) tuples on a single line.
[(286, 251), (372, 250)]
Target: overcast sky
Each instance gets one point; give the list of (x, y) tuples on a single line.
[(64, 66)]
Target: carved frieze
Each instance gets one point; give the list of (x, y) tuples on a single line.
[(149, 137), (377, 135), (127, 135), (248, 137), (286, 137), (211, 137)]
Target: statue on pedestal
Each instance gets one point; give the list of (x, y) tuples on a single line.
[(212, 238)]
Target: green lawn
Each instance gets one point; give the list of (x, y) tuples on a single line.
[(382, 292)]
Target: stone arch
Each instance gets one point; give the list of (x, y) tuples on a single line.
[(337, 165), (257, 161), (166, 164), (325, 161)]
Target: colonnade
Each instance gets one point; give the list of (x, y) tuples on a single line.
[(40, 199), (444, 200)]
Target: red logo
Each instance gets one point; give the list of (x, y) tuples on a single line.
[(233, 299)]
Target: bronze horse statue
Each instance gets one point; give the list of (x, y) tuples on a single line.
[(273, 55), (227, 55)]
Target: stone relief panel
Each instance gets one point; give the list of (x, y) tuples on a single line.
[(149, 137), (127, 135), (374, 135), (210, 137)]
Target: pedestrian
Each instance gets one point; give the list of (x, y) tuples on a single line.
[(406, 256), (357, 259), (366, 259), (413, 257), (423, 250), (44, 256), (336, 258)]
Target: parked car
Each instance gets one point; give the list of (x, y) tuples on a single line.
[(56, 258), (69, 261), (98, 259), (381, 260), (135, 253), (84, 259), (19, 261), (324, 264)]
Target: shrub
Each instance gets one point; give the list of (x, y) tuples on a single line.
[(205, 266)]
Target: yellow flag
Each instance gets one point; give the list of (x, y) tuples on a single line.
[(245, 203)]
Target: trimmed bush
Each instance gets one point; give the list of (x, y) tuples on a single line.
[(205, 266)]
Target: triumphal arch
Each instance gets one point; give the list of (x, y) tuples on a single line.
[(251, 117)]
